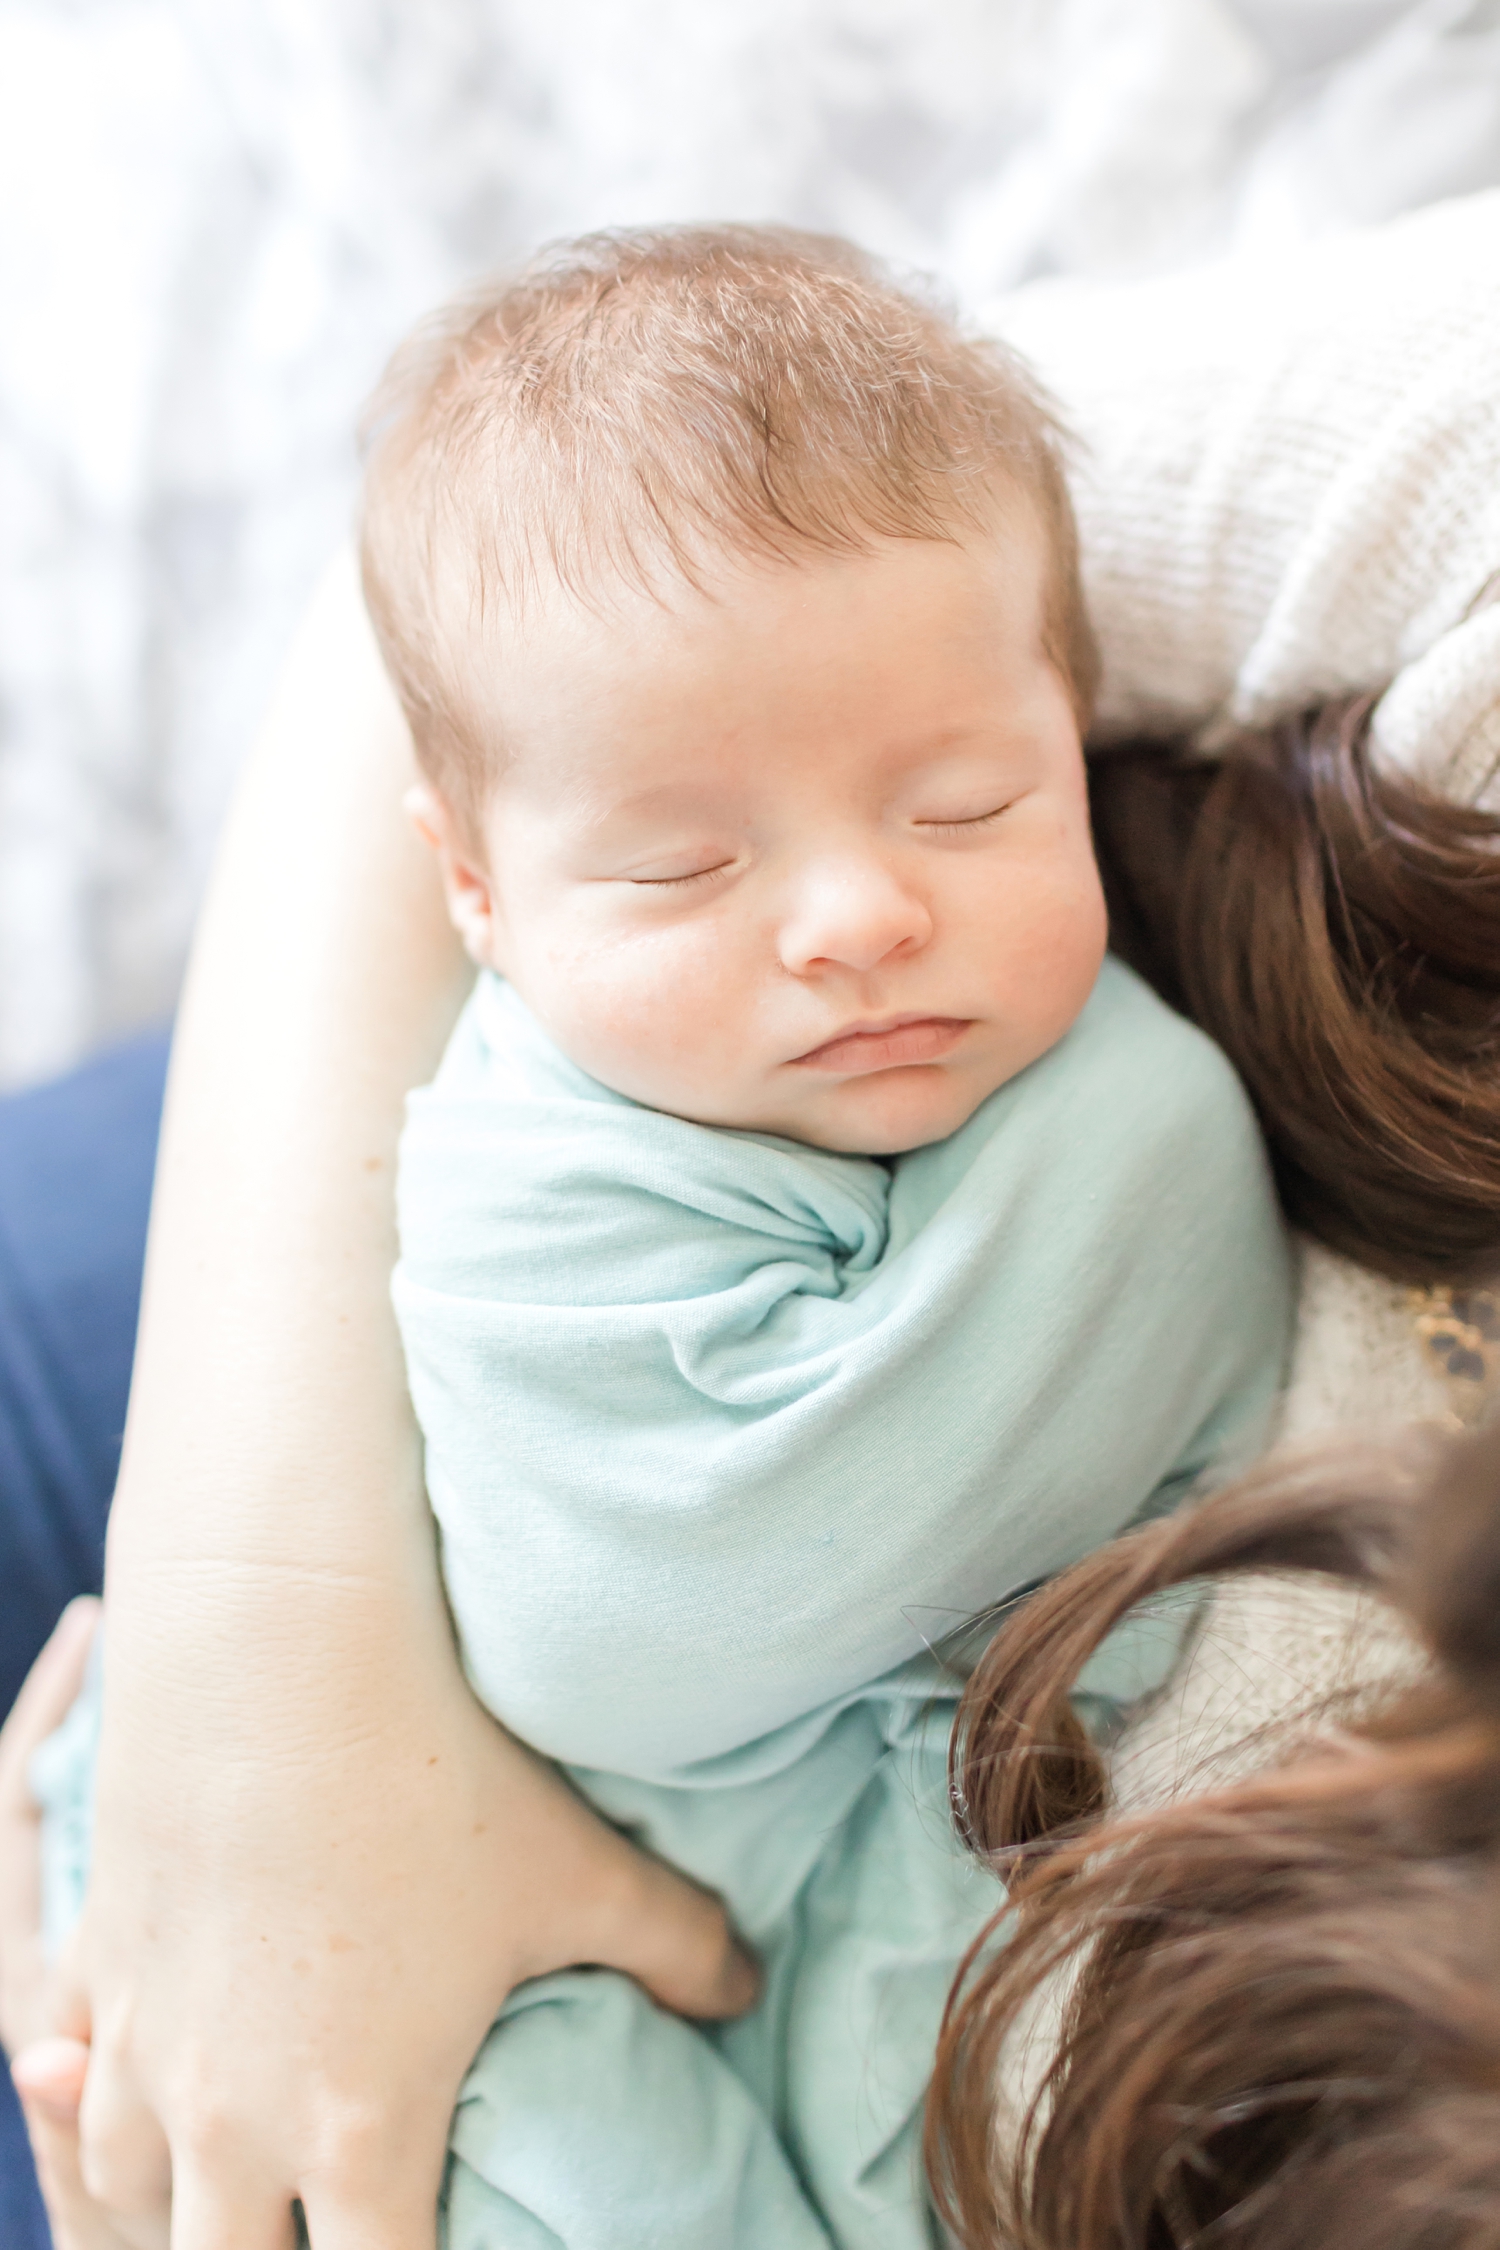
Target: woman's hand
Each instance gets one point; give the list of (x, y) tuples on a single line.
[(230, 2110), (289, 1958), (49, 2079), (49, 2071)]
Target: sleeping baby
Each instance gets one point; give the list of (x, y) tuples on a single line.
[(810, 1238)]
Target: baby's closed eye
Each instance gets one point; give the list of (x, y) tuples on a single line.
[(689, 875), (955, 824)]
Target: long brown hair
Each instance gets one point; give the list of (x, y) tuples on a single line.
[(1336, 928), (1282, 2029)]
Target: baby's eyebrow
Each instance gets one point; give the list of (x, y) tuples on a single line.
[(662, 799), (993, 734)]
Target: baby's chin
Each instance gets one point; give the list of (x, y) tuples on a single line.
[(890, 1112)]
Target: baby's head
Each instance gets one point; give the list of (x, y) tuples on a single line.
[(732, 595)]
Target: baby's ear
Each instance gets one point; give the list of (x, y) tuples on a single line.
[(466, 882), (428, 814)]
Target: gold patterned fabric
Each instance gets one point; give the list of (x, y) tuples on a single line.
[(1459, 1332)]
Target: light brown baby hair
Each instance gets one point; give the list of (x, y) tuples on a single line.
[(633, 407)]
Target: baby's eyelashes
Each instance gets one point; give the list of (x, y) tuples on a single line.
[(964, 823), (709, 870), (677, 882)]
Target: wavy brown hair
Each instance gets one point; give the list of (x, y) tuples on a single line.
[(1336, 928), (1281, 2023)]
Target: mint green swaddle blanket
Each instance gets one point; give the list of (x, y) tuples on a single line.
[(725, 1436)]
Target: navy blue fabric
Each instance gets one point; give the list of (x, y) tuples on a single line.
[(76, 1160), (23, 2222)]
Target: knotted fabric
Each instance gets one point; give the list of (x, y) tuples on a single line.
[(725, 1436)]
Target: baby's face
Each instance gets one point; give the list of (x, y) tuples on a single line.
[(809, 855)]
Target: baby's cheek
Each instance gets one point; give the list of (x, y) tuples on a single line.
[(643, 1009), (1048, 939)]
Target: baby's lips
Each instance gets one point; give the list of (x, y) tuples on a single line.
[(912, 1039)]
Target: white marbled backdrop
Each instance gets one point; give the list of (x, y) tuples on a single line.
[(217, 215)]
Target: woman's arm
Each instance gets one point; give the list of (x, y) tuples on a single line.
[(319, 1866)]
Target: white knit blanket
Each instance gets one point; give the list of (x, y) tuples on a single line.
[(1289, 482)]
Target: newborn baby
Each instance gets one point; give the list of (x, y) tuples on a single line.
[(810, 1240)]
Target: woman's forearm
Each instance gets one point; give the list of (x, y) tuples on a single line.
[(269, 1433)]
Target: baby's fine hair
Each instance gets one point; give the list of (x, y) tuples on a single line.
[(632, 407)]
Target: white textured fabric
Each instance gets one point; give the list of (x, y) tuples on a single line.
[(1275, 1652), (1290, 482), (217, 215)]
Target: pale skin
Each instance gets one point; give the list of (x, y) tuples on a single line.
[(808, 852)]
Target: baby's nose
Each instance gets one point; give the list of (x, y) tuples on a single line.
[(852, 914)]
